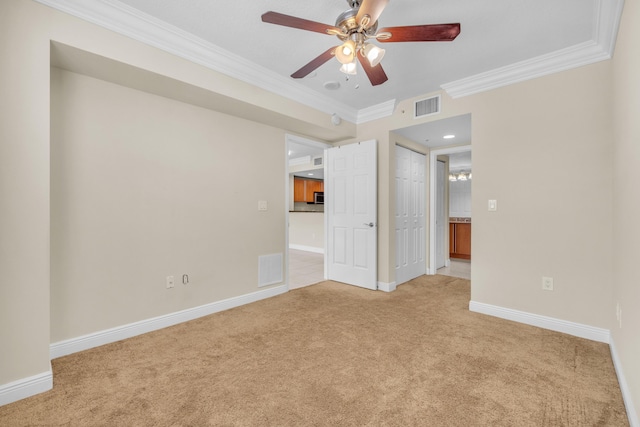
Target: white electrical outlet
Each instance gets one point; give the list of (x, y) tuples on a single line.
[(547, 283), (170, 282)]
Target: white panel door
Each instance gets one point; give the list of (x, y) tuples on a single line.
[(351, 213), (410, 219), (440, 215)]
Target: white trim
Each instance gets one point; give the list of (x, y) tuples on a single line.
[(128, 21), (73, 345), (26, 387), (558, 325), (632, 415), (307, 248), (377, 111), (433, 158), (387, 287), (607, 16)]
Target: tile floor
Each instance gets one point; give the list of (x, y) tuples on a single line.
[(457, 268), (305, 268)]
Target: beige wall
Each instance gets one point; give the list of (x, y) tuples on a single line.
[(144, 187), (307, 229), (542, 148), (24, 195), (28, 29), (626, 203)]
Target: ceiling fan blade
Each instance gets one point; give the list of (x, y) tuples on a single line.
[(421, 33), (315, 63), (372, 8), (376, 74), (294, 22)]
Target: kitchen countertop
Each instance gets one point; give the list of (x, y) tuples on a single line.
[(458, 220)]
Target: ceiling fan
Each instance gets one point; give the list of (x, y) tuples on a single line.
[(355, 27)]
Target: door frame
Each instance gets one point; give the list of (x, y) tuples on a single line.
[(433, 158), (287, 189)]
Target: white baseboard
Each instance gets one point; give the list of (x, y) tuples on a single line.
[(632, 415), (387, 287), (73, 345), (571, 328), (307, 248), (26, 387)]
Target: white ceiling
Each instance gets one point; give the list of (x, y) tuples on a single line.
[(501, 42), (432, 134), (493, 34)]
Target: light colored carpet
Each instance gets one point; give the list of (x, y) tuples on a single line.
[(332, 354)]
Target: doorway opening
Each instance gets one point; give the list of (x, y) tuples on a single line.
[(305, 221), (450, 219), (446, 139)]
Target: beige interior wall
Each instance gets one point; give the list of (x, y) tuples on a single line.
[(24, 194), (29, 29), (307, 229), (542, 148), (144, 187), (626, 229)]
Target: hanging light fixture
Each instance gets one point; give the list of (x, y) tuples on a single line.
[(452, 177), (346, 52), (373, 53), (462, 176), (349, 68)]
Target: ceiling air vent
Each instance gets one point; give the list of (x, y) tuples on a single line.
[(317, 161), (426, 107)]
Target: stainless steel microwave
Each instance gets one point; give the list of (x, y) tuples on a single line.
[(318, 197)]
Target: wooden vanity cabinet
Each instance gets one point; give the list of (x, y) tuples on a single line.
[(460, 240)]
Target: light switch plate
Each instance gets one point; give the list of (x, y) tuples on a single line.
[(262, 205), (493, 205)]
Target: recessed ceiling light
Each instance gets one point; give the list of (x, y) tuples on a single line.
[(310, 174), (332, 85), (449, 136)]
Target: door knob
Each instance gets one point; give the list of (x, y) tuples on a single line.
[(370, 224)]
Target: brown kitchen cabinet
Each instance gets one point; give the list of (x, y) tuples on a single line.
[(303, 189), (460, 240)]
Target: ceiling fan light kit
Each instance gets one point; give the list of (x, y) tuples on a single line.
[(346, 53), (354, 28), (349, 68), (373, 53)]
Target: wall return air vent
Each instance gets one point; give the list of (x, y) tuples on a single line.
[(426, 107)]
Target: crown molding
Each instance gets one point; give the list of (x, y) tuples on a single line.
[(120, 18), (377, 111), (125, 20), (607, 16)]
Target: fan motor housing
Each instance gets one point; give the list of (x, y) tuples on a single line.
[(346, 21)]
